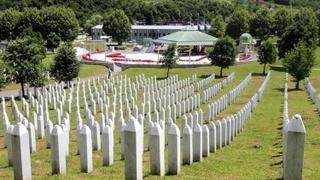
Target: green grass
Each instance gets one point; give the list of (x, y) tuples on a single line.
[(254, 154)]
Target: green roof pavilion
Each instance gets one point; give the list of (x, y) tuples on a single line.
[(188, 37)]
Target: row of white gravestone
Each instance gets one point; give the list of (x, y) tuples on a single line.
[(204, 82), (314, 96), (223, 102), (170, 88), (262, 88), (233, 94), (293, 151), (149, 93), (171, 100), (157, 105), (214, 90), (197, 140), (311, 90), (86, 165), (293, 140)]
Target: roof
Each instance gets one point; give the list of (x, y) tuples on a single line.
[(100, 26), (160, 27), (188, 37), (168, 27), (245, 38)]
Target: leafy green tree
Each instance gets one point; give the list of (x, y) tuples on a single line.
[(65, 66), (8, 21), (30, 19), (299, 62), (318, 18), (304, 28), (238, 23), (169, 57), (218, 27), (39, 79), (53, 41), (23, 58), (283, 18), (61, 21), (267, 54), (117, 24), (261, 24), (223, 54), (92, 21)]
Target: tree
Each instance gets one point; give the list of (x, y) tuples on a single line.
[(238, 23), (92, 21), (116, 24), (8, 21), (283, 18), (223, 54), (65, 66), (30, 19), (318, 18), (39, 79), (53, 41), (218, 27), (23, 58), (61, 21), (299, 62), (169, 57), (261, 23), (267, 54), (304, 28)]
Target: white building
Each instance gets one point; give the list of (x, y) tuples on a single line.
[(144, 33)]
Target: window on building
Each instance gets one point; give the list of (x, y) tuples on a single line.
[(149, 34), (145, 34), (98, 34), (93, 33), (140, 34), (135, 34)]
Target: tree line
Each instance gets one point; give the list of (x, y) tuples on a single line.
[(161, 12)]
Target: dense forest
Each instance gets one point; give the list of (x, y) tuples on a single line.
[(154, 12), (165, 11)]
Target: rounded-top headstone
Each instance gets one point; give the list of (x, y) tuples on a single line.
[(296, 124), (85, 130), (173, 129), (19, 129), (57, 130), (156, 129), (132, 125)]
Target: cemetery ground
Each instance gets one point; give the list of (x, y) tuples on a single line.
[(254, 154)]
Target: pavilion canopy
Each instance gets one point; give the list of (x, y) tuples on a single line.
[(188, 37)]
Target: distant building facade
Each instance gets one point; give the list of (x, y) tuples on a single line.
[(143, 33), (98, 34)]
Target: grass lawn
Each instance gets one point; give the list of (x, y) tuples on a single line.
[(254, 154)]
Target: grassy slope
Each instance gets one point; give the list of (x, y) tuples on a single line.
[(255, 153)]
